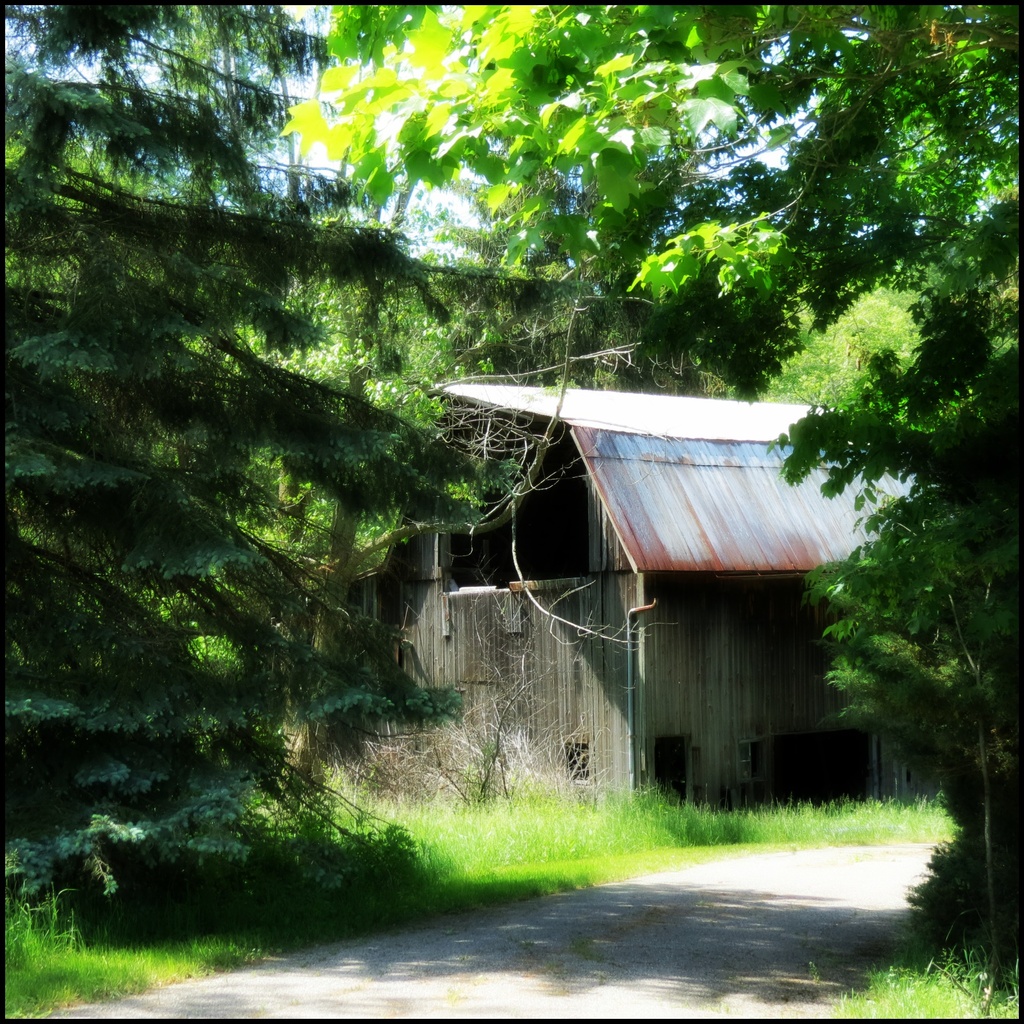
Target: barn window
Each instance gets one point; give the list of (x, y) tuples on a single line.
[(751, 761), (577, 760), (670, 763)]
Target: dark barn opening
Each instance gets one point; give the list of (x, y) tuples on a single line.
[(670, 764), (551, 535), (550, 531), (577, 761), (821, 766)]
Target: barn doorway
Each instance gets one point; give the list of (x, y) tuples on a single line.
[(670, 764), (821, 766)]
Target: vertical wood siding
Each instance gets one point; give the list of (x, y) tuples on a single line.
[(729, 660), (719, 662), (570, 684)]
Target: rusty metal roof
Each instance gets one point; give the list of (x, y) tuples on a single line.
[(693, 505), (690, 485)]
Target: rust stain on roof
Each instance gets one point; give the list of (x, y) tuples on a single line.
[(694, 505), (694, 484)]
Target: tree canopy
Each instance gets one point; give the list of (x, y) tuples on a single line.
[(628, 127), (732, 164)]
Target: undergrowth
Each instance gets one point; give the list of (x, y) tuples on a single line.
[(484, 836)]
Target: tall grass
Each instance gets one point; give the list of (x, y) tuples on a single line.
[(483, 837), (72, 948), (48, 962), (36, 931), (956, 985)]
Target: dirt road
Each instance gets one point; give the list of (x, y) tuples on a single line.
[(769, 936)]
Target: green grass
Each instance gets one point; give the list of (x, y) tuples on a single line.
[(48, 963), (70, 949), (479, 838), (956, 986)]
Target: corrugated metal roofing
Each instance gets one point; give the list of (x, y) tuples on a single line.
[(657, 415), (692, 505), (690, 485)]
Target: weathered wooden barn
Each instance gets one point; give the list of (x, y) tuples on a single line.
[(644, 612)]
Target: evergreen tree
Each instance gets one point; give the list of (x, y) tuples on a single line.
[(160, 629)]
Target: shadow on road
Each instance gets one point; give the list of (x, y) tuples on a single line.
[(765, 936)]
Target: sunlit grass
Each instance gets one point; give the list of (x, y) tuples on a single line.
[(488, 836), (956, 986), (48, 963), (69, 949)]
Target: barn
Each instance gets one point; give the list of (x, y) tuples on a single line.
[(644, 613)]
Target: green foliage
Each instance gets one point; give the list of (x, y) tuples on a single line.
[(161, 627), (728, 164), (301, 883), (950, 902), (600, 96), (628, 126), (928, 633), (835, 361), (957, 985)]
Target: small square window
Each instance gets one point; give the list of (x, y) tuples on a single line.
[(577, 761)]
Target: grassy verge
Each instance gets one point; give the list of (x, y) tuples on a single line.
[(72, 949), (476, 839), (918, 986)]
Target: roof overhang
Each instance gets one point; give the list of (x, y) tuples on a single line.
[(694, 484), (654, 415)]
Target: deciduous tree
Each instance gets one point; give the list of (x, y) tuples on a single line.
[(775, 153)]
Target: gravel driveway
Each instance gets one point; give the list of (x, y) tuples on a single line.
[(768, 936)]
